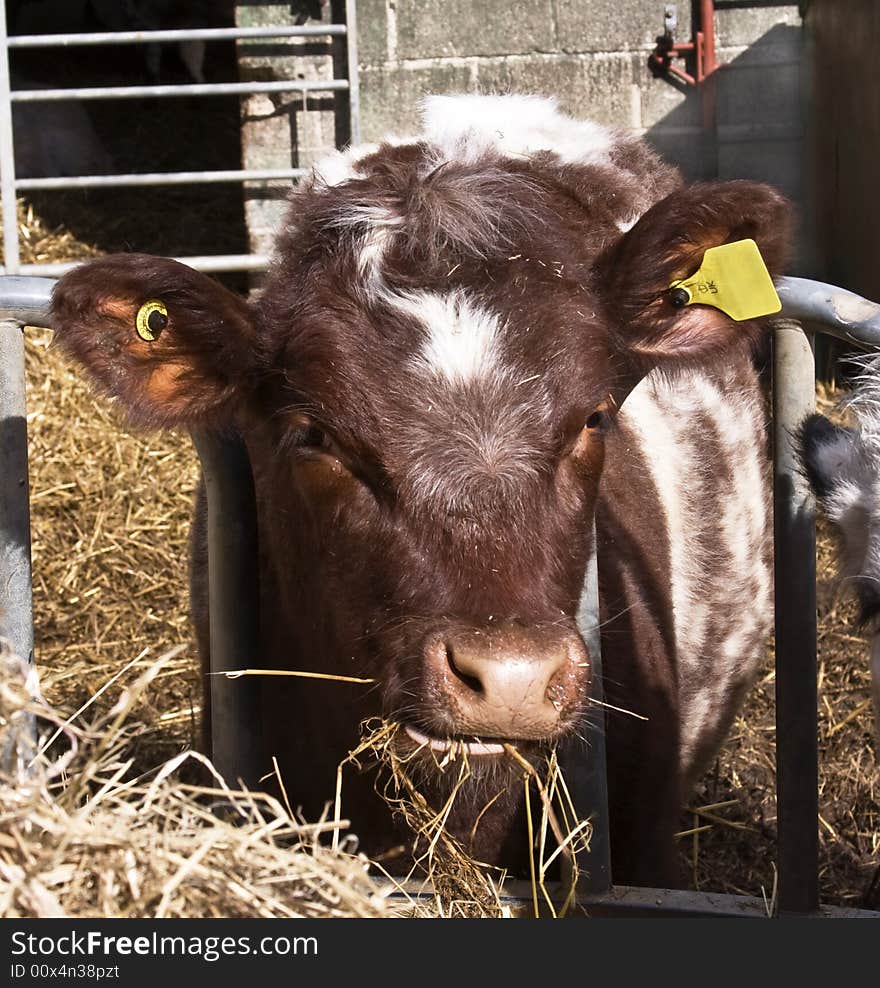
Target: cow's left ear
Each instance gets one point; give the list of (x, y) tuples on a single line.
[(173, 345), (667, 245)]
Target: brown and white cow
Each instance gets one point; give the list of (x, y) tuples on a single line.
[(465, 352)]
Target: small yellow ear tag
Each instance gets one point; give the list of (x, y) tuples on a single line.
[(733, 278), (152, 318)]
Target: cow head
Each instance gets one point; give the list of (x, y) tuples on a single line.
[(842, 465), (426, 385)]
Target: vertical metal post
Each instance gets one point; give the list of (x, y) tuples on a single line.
[(234, 605), (797, 785), (7, 157), (354, 91), (585, 771), (16, 593), (16, 621)]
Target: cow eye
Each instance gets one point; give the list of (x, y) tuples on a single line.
[(596, 420), (311, 437)]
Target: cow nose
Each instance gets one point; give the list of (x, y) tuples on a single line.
[(508, 683)]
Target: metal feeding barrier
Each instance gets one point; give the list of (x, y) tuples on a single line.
[(10, 184), (233, 577)]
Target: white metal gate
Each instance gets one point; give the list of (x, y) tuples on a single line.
[(11, 185)]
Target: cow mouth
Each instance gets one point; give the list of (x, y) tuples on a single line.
[(455, 745)]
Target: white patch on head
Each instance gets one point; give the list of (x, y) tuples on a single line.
[(374, 227), (369, 258), (380, 231), (342, 166), (461, 336), (466, 127)]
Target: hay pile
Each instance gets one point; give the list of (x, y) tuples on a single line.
[(79, 836), (110, 522)]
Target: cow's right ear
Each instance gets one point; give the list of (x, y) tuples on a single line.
[(668, 244), (173, 345), (830, 458)]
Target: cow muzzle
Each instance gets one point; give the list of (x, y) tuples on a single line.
[(509, 683)]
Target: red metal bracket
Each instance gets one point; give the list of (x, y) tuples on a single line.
[(702, 47)]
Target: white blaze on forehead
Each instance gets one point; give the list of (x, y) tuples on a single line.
[(461, 341), (465, 127), (380, 224)]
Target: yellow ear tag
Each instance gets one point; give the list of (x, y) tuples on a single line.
[(733, 278), (151, 319)]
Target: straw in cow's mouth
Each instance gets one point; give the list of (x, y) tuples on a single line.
[(443, 858), (475, 747)]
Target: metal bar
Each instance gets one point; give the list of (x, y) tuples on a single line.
[(27, 301), (188, 89), (841, 313), (354, 92), (227, 262), (7, 156), (797, 774), (585, 770), (16, 622), (162, 178), (234, 603), (707, 18), (626, 901), (16, 590), (207, 263), (181, 34)]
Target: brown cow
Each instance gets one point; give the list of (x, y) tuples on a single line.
[(465, 352)]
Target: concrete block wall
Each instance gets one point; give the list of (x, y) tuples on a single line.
[(592, 55), (287, 130)]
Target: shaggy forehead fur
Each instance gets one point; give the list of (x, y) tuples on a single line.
[(485, 174), (457, 266)]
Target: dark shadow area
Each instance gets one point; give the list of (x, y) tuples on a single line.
[(133, 135), (745, 121)]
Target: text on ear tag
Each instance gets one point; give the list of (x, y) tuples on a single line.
[(152, 318), (733, 278)]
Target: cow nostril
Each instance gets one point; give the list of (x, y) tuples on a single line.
[(473, 683)]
